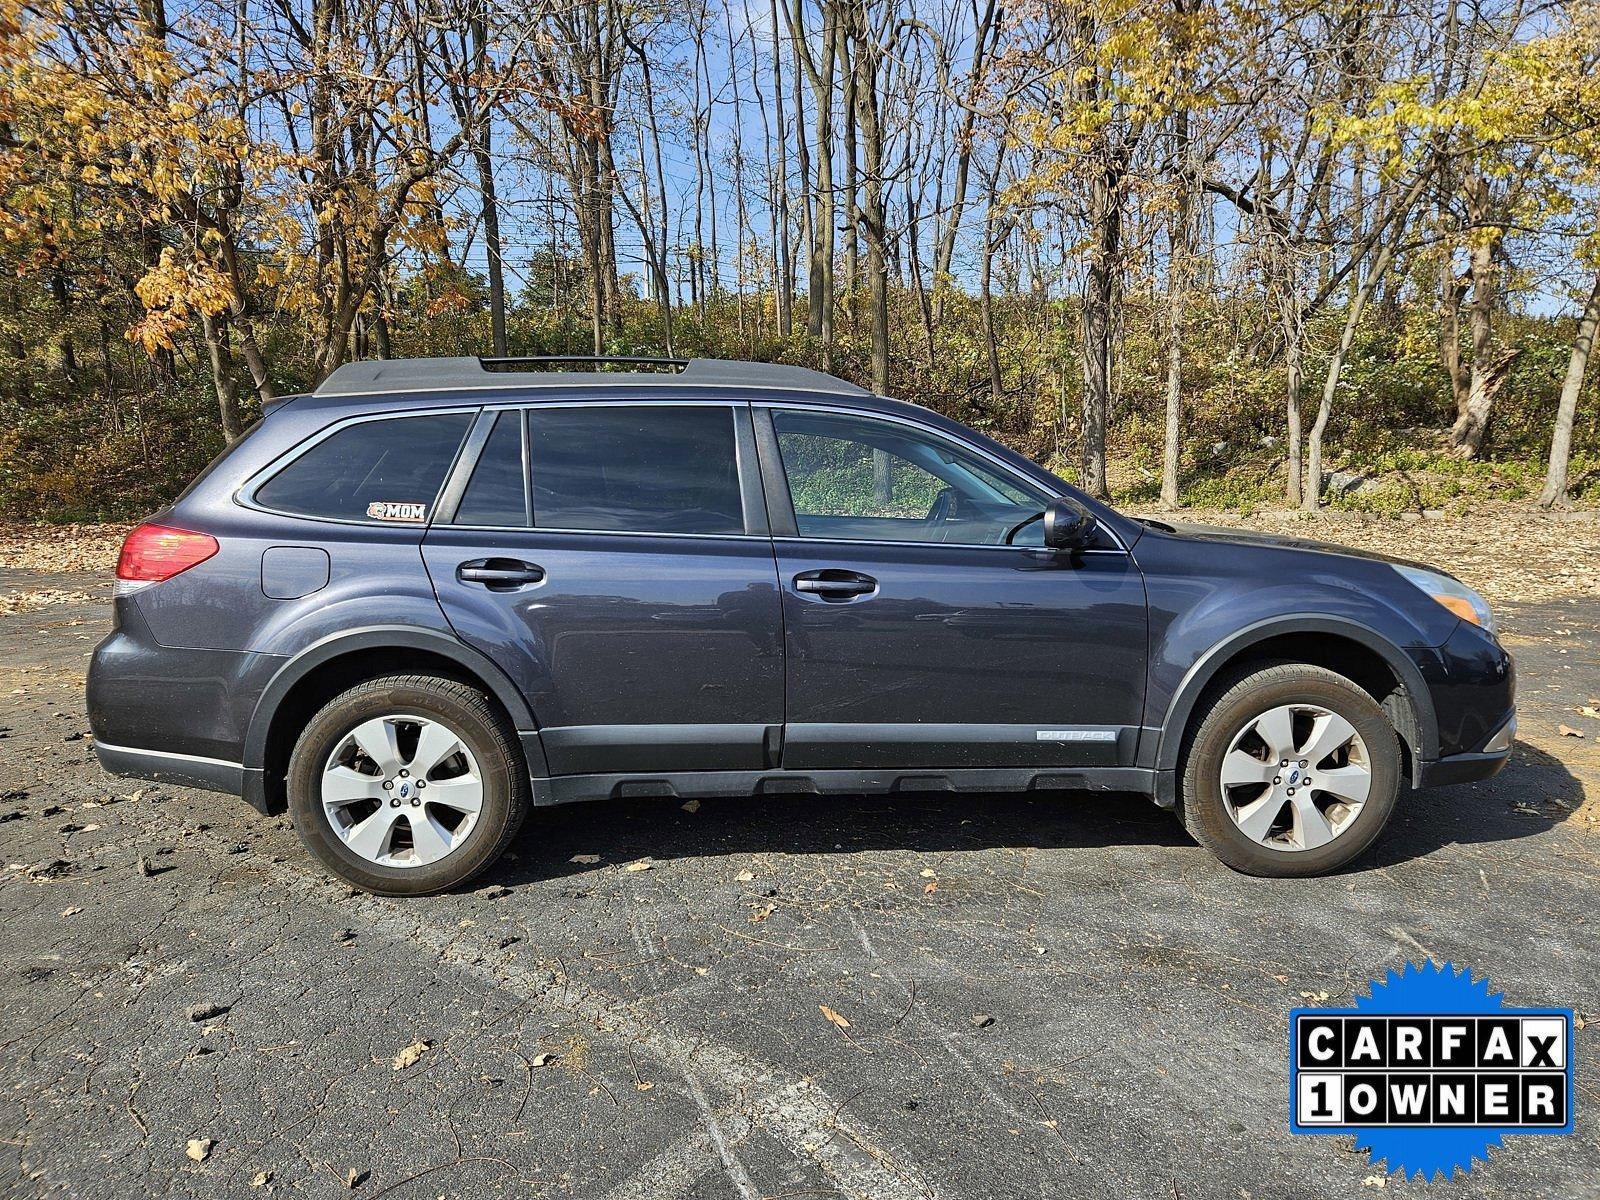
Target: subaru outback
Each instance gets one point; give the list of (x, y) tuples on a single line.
[(433, 594)]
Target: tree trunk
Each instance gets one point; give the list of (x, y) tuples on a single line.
[(780, 249), (1488, 372), (482, 157), (1099, 323), (222, 376), (1555, 481), (870, 213), (1293, 325), (989, 27), (1180, 244), (819, 299), (1312, 497)]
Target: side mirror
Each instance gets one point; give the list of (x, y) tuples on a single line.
[(1068, 527)]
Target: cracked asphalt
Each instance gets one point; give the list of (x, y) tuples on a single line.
[(1048, 996)]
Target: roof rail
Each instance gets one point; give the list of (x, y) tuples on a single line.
[(413, 375), (517, 363)]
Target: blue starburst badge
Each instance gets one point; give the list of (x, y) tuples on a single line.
[(1430, 1070)]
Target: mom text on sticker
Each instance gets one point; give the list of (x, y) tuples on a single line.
[(395, 510)]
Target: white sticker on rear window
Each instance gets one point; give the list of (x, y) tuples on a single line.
[(394, 510)]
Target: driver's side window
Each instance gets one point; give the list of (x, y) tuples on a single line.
[(857, 478)]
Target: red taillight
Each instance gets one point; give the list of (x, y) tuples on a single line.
[(152, 553)]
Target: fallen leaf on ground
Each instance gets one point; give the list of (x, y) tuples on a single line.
[(762, 913), (261, 1179), (585, 859), (691, 806), (409, 1056), (644, 864), (927, 872), (355, 1177), (1590, 711), (834, 1017), (199, 1149), (544, 1059), (642, 1085), (930, 887), (69, 912), (744, 876), (1569, 731)]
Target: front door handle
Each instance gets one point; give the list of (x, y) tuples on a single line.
[(832, 583), (500, 574)]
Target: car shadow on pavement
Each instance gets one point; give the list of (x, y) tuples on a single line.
[(930, 823), (1534, 793)]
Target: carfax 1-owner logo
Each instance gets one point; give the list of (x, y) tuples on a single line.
[(1430, 1070)]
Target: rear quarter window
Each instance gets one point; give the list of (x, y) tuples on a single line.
[(388, 469)]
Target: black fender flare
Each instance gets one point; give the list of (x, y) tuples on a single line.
[(1214, 660), (378, 637)]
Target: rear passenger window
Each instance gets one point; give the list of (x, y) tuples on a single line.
[(655, 469), (496, 495), (383, 470)]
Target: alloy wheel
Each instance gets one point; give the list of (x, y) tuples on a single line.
[(1295, 777), (402, 790)]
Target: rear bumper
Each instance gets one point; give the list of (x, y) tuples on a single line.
[(188, 770), (194, 704), (185, 770)]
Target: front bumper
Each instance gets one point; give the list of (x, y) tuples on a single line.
[(1480, 764)]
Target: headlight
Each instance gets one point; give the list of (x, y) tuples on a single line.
[(1453, 594)]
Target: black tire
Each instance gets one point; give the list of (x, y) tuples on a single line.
[(480, 726), (1233, 706)]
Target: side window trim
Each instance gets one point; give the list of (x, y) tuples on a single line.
[(780, 501), (774, 479), (751, 499), (477, 442), (527, 468), (245, 495), (751, 492), (455, 483)]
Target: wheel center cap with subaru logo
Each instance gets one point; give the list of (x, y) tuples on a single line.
[(1430, 1070), (405, 790)]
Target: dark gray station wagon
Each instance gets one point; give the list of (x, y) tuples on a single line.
[(435, 593)]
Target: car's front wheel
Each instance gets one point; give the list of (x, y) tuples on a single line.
[(1292, 770), (407, 785)]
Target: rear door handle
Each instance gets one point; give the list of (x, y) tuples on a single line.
[(500, 574), (831, 583)]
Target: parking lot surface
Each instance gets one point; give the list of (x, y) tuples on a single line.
[(963, 997)]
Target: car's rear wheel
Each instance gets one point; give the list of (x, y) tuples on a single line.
[(407, 785), (1292, 770)]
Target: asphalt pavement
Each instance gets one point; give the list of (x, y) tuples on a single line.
[(960, 997)]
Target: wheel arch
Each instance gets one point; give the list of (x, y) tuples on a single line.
[(318, 673), (1361, 655)]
